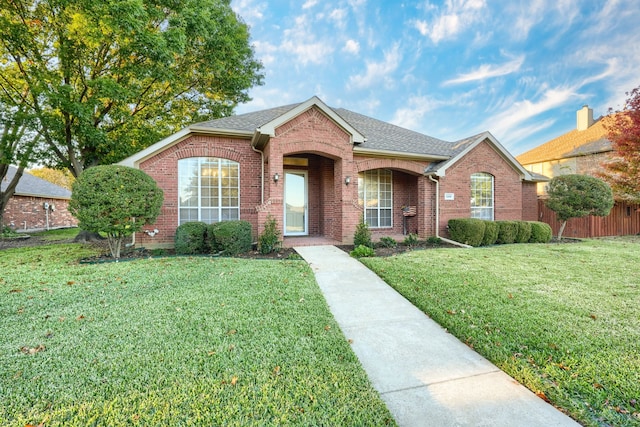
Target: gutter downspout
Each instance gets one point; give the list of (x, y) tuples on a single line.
[(261, 174), (444, 239)]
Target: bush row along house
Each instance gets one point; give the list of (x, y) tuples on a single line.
[(319, 171), (582, 150), (36, 204)]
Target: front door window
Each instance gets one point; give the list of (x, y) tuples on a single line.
[(295, 203)]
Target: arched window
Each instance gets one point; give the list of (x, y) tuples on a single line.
[(376, 196), (208, 190), (482, 196)]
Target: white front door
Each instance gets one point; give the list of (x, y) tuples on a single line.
[(295, 203)]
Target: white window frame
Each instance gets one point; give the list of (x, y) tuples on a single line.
[(220, 209), (370, 198), (482, 205)]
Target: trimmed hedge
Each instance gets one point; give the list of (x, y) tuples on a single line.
[(190, 238), (476, 232), (524, 232), (508, 230), (469, 231), (490, 233), (230, 237), (540, 232)]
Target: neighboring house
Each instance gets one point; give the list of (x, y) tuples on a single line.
[(580, 151), (37, 204), (318, 171)]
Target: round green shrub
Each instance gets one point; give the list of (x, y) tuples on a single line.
[(191, 238), (230, 238), (540, 232), (469, 231), (508, 230), (115, 200), (490, 233), (362, 251), (387, 242), (524, 232)]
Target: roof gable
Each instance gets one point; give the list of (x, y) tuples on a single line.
[(464, 146)]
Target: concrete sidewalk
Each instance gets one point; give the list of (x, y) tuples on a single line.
[(424, 374)]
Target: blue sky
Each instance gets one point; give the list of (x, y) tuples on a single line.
[(450, 69)]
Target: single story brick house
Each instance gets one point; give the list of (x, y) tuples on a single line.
[(36, 204), (319, 170)]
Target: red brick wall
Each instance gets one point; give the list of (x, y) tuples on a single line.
[(164, 169), (27, 212), (529, 201), (507, 186), (333, 205)]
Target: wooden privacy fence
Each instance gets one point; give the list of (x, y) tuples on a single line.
[(624, 219)]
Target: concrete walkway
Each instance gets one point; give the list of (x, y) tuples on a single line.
[(424, 374)]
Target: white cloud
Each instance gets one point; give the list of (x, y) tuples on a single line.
[(302, 43), (352, 47), (457, 16), (378, 71), (509, 122), (486, 71), (339, 16), (251, 11), (309, 4), (411, 116)]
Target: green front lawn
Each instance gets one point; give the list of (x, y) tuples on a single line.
[(562, 319), (172, 341)]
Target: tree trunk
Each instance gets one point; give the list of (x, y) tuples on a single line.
[(564, 223), (87, 237)]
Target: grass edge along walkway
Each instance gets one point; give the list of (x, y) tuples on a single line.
[(190, 341), (564, 320)]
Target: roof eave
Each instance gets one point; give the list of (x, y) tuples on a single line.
[(396, 154), (135, 160)]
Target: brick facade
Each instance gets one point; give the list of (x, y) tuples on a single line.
[(28, 213), (508, 188), (333, 209)]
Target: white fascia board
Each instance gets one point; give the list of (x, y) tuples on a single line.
[(270, 128)]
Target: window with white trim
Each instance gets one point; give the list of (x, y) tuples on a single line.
[(208, 190), (376, 197), (482, 196)]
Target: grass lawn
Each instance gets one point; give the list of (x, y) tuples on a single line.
[(564, 320), (172, 341)]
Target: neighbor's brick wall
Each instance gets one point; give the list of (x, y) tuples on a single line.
[(27, 213), (507, 186)]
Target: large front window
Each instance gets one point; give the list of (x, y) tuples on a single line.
[(482, 196), (375, 195), (208, 190)]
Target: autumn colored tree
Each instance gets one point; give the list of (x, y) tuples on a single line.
[(576, 196), (623, 170), (107, 78), (63, 178)]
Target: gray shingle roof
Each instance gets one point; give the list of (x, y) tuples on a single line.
[(380, 135), (30, 185)]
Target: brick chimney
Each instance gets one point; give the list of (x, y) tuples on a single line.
[(585, 117)]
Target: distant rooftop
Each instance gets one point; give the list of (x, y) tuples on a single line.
[(30, 185)]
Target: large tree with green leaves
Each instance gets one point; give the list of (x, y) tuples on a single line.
[(623, 170), (576, 196), (108, 78)]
